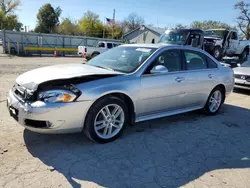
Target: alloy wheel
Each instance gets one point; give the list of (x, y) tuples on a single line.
[(215, 101), (109, 121)]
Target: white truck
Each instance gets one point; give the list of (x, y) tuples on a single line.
[(102, 46), (223, 42)]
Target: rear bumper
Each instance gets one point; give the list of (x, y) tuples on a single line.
[(48, 118)]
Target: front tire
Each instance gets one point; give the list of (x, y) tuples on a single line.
[(214, 102), (106, 120)]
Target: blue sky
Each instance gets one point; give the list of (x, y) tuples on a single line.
[(161, 13)]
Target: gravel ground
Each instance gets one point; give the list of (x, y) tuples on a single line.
[(189, 150)]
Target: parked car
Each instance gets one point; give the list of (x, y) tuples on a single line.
[(128, 84), (242, 76), (223, 42), (102, 46)]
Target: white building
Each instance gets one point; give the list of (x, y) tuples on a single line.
[(144, 34)]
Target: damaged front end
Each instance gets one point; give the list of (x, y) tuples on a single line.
[(28, 95), (210, 43), (51, 108)]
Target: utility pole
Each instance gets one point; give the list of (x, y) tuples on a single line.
[(113, 27), (103, 34)]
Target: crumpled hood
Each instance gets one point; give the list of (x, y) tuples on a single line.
[(33, 78), (242, 71)]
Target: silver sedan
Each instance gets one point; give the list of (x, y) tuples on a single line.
[(128, 84)]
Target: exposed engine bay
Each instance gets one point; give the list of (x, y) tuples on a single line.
[(26, 95)]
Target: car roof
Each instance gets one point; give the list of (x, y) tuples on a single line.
[(142, 45), (167, 46), (162, 45)]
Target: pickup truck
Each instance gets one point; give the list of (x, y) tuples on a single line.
[(102, 46), (223, 42)]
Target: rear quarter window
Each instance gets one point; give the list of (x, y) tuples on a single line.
[(211, 64)]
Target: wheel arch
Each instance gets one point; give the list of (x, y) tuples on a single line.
[(222, 86), (121, 95), (13, 50)]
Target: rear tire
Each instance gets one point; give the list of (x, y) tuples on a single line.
[(13, 51), (102, 125), (214, 101)]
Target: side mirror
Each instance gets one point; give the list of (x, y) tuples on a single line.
[(159, 69)]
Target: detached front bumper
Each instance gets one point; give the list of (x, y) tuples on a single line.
[(51, 118)]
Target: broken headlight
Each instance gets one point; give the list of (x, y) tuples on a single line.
[(57, 96)]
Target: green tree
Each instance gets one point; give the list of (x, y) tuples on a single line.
[(11, 23), (8, 19), (243, 20), (90, 25), (210, 24), (68, 27), (180, 26), (118, 31), (47, 18)]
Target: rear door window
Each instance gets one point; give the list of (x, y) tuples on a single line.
[(101, 45), (211, 64), (195, 60), (109, 45), (171, 59)]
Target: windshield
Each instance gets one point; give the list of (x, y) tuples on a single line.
[(217, 33), (123, 59), (174, 37), (246, 64)]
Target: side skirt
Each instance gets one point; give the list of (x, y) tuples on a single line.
[(165, 114)]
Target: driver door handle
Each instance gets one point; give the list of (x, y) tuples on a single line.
[(179, 79), (210, 76)]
